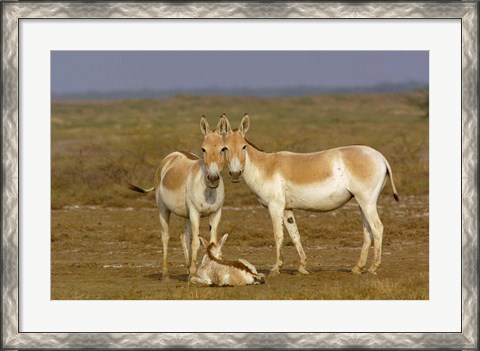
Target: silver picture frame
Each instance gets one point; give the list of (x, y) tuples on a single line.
[(13, 12)]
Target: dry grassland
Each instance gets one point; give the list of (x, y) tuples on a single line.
[(106, 239)]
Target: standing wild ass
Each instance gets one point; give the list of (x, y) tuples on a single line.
[(215, 270), (319, 181), (192, 188)]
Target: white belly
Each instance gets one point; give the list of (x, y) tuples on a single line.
[(175, 201), (204, 202), (323, 196)]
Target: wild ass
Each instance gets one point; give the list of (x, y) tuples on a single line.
[(319, 181), (215, 270), (190, 187)]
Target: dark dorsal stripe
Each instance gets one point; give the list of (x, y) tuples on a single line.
[(254, 146), (189, 155), (235, 264)]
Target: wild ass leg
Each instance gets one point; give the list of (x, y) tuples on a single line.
[(276, 212), (376, 227), (185, 239), (289, 221), (195, 224), (365, 247), (200, 281), (377, 231), (164, 220), (214, 220)]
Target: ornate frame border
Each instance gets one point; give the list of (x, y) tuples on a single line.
[(13, 11)]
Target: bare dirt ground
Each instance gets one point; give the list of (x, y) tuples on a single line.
[(116, 253)]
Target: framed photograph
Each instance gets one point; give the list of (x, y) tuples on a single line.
[(334, 143)]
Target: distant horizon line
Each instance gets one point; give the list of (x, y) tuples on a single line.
[(292, 91)]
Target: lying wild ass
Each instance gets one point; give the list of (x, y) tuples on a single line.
[(215, 270), (190, 187), (319, 181)]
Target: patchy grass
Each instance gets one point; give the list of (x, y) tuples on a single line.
[(98, 147)]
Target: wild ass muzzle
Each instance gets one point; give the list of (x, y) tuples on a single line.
[(191, 187), (216, 271), (319, 181)]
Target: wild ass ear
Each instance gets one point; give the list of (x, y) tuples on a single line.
[(203, 241), (204, 127), (223, 125), (222, 240), (244, 124)]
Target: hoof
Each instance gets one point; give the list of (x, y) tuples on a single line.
[(302, 270), (165, 279), (274, 272), (193, 278), (373, 270), (356, 270), (258, 280)]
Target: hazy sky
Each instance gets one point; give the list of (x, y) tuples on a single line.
[(106, 71)]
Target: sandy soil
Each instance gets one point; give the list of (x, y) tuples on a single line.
[(116, 253)]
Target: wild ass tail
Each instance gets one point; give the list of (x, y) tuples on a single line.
[(390, 175), (140, 190)]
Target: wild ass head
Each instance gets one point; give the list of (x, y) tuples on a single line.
[(213, 149), (236, 148)]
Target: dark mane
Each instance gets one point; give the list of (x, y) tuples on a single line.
[(235, 264), (189, 155), (249, 142), (254, 146)]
